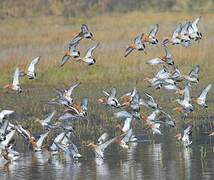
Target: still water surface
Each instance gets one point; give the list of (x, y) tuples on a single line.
[(150, 160)]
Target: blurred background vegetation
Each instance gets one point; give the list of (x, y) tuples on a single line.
[(71, 8)]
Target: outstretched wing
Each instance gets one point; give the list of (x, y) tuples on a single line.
[(113, 93), (48, 119), (107, 143), (34, 62), (75, 41), (187, 93), (128, 51), (195, 72), (177, 31), (16, 77), (155, 61), (41, 139), (70, 90), (204, 93), (90, 50), (195, 24), (154, 31), (65, 58), (168, 53), (84, 104), (123, 114), (84, 28)]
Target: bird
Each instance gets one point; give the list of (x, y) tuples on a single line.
[(127, 98), (65, 96), (15, 85), (84, 33), (47, 120), (137, 45), (129, 137), (128, 120), (149, 101), (154, 126), (111, 99), (37, 144), (88, 58), (63, 138), (71, 53), (100, 148), (193, 30), (185, 103), (168, 58), (31, 71), (193, 76), (70, 150), (201, 100), (79, 108), (184, 136)]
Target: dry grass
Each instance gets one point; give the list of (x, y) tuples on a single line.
[(23, 39)]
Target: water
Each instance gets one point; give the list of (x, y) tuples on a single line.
[(163, 159)]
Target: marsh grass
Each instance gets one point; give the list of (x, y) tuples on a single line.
[(23, 39)]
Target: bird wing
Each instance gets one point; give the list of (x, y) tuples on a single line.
[(176, 31), (70, 90), (154, 31), (188, 130), (5, 113), (128, 51), (41, 139), (123, 114), (8, 137), (16, 77), (84, 104), (138, 40), (155, 61), (73, 45), (204, 93), (3, 129), (34, 62), (184, 29), (168, 53), (113, 93), (90, 51), (128, 135), (106, 93), (75, 41), (107, 143), (65, 58), (195, 72), (48, 119), (127, 124), (195, 24), (150, 98), (68, 116), (84, 28), (187, 93)]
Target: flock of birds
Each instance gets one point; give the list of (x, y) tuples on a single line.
[(129, 104)]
